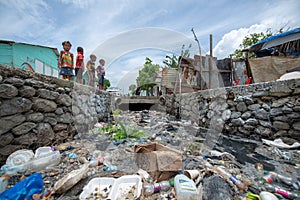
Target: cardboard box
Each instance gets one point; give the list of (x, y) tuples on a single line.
[(160, 161)]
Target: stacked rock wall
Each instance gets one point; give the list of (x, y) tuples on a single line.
[(269, 110), (38, 110)]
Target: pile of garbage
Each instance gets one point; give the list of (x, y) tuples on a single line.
[(216, 177), (169, 163)]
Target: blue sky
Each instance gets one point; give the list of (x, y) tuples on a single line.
[(124, 32)]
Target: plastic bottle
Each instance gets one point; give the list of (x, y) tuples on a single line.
[(273, 176), (156, 187), (284, 193), (44, 161), (150, 189), (108, 159), (3, 184), (216, 162), (165, 185), (285, 179), (43, 151), (12, 170), (171, 181), (185, 188), (110, 168), (20, 157), (226, 174), (268, 178), (96, 162), (206, 164)]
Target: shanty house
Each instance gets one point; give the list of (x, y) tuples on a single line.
[(276, 55), (35, 58), (198, 73)]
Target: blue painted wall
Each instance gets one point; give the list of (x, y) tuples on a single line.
[(6, 54), (41, 59)]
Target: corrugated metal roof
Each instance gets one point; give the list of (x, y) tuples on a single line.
[(13, 42)]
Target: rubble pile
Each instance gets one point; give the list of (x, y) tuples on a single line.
[(151, 155)]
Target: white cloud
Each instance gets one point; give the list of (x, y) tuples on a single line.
[(79, 3), (283, 15), (145, 38), (115, 26), (24, 20)]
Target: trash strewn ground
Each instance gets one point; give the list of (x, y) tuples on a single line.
[(104, 163)]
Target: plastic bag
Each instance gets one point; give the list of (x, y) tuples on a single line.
[(24, 189)]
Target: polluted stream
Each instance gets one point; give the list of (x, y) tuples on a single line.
[(152, 155)]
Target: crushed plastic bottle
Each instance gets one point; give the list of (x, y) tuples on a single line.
[(273, 176), (20, 157), (42, 152), (110, 168), (12, 170), (216, 161), (225, 174), (3, 184), (44, 161), (234, 180), (151, 188), (96, 162), (24, 161), (281, 178), (268, 178), (165, 185), (284, 193)]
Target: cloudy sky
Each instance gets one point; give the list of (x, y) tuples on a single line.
[(124, 32)]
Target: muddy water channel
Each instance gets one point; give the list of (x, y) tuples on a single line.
[(227, 166)]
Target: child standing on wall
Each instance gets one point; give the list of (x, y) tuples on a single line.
[(101, 73), (79, 67), (65, 61), (90, 65)]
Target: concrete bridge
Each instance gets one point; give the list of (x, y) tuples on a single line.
[(135, 103)]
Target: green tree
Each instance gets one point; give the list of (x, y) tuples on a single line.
[(171, 62), (106, 83), (185, 52), (251, 39), (146, 74), (132, 88)]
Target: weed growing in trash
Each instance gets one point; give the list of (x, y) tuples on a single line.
[(117, 113), (119, 131)]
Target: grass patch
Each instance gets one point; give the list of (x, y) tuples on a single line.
[(119, 132)]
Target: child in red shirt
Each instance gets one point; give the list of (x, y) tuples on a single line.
[(65, 61), (79, 67)]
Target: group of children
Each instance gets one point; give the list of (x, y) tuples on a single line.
[(66, 63)]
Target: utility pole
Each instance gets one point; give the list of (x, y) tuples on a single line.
[(210, 60), (200, 60)]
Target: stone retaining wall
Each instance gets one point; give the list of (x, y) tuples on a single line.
[(38, 110), (270, 110)]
